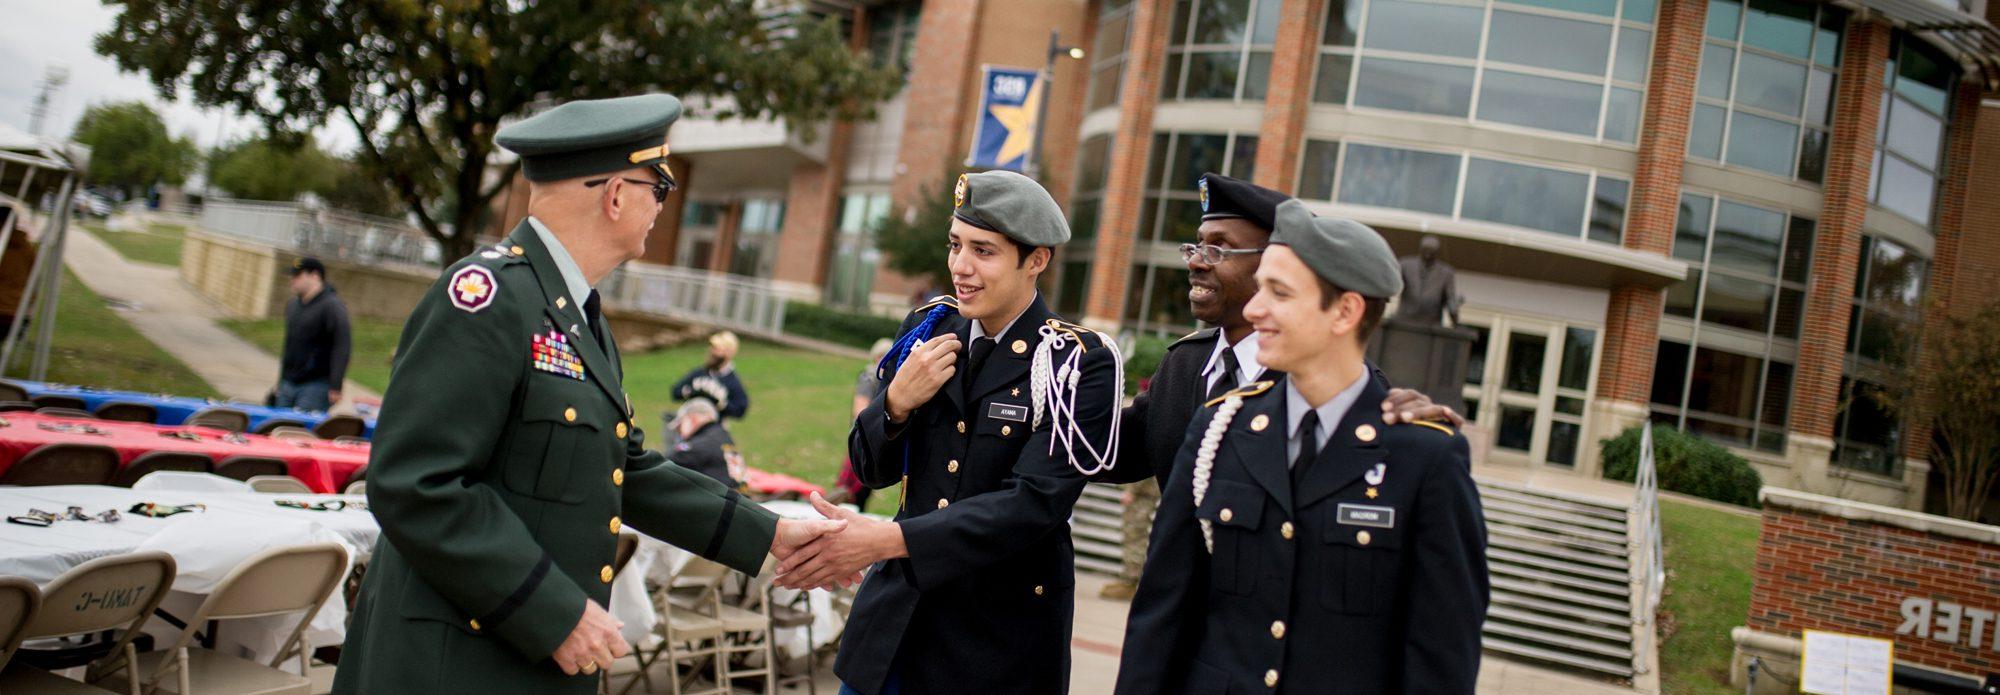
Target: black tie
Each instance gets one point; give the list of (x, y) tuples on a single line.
[(591, 313), (981, 348), (1226, 381), (1308, 447)]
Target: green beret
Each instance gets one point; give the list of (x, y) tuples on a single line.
[(1343, 252), (593, 136), (1011, 204)]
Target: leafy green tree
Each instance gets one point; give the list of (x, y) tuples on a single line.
[(271, 169), (427, 83), (916, 247), (130, 147)]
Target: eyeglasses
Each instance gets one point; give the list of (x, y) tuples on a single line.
[(1212, 254), (660, 188)]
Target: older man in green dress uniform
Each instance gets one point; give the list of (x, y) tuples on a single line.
[(507, 458)]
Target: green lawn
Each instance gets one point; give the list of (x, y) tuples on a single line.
[(1710, 555), (800, 406), (799, 400), (159, 244), (368, 364), (93, 346)]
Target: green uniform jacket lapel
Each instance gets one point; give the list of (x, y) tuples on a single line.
[(597, 366)]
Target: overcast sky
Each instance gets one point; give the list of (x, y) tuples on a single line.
[(35, 34)]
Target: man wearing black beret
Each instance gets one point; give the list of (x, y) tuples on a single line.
[(1304, 543), (1236, 222)]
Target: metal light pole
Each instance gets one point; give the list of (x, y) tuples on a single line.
[(1056, 49)]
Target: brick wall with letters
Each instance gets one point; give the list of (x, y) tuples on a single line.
[(1929, 583)]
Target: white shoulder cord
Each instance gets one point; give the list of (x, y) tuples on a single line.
[(1204, 460), (1054, 391)]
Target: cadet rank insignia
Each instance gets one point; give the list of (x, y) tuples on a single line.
[(472, 288), (554, 355)]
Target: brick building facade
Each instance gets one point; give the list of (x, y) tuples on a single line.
[(1729, 216), (1925, 582)]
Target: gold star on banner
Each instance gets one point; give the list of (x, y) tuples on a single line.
[(1020, 124)]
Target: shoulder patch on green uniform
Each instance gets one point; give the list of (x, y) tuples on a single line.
[(1246, 391), (944, 299), (1441, 428), (472, 288)]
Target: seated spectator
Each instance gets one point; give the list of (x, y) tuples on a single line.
[(705, 445)]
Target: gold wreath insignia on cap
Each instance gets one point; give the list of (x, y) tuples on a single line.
[(958, 193)]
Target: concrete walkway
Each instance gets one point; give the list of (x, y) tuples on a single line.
[(182, 322)]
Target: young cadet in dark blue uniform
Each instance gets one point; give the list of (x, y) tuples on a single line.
[(1235, 229), (1304, 545), (973, 590)]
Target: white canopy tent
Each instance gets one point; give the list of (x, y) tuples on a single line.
[(32, 169)]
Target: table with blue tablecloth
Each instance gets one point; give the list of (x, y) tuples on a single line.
[(175, 410)]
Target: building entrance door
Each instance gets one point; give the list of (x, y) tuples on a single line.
[(1528, 383)]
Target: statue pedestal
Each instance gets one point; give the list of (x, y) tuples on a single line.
[(1424, 356)]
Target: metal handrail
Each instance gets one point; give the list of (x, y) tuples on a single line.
[(323, 232), (1652, 560), (742, 303)]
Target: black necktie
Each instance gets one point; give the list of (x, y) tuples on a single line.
[(595, 318), (1226, 381), (1308, 447), (981, 348)]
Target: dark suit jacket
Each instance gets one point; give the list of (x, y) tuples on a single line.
[(1358, 581), (983, 603), (1156, 422), (705, 452)]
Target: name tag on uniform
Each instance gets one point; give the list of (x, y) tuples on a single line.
[(1007, 411), (1367, 515)]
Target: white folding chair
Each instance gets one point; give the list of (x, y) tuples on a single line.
[(278, 485), (689, 628), (747, 632), (19, 599), (116, 593), (280, 581)]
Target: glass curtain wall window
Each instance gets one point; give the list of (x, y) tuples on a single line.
[(1572, 203), (1764, 96), (1072, 277), (1730, 334), (1909, 149), (1157, 299), (1220, 49), (700, 223), (892, 33), (850, 279), (1107, 54), (1577, 67), (757, 237), (1882, 325)]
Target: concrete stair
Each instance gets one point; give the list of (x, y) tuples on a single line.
[(1563, 590)]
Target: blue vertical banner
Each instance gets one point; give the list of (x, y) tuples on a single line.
[(1009, 106)]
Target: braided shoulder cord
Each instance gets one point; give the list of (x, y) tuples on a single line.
[(1053, 390), (1204, 460)]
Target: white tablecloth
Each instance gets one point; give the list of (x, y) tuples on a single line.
[(207, 545)]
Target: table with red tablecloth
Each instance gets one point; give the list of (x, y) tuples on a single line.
[(324, 466)]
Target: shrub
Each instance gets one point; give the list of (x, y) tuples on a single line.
[(1686, 464), (1144, 360), (809, 320)]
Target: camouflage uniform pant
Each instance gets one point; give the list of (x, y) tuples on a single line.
[(1141, 499)]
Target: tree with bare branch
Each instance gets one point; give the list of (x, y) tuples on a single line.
[(426, 84)]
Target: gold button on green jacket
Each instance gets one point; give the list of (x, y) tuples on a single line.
[(497, 472)]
